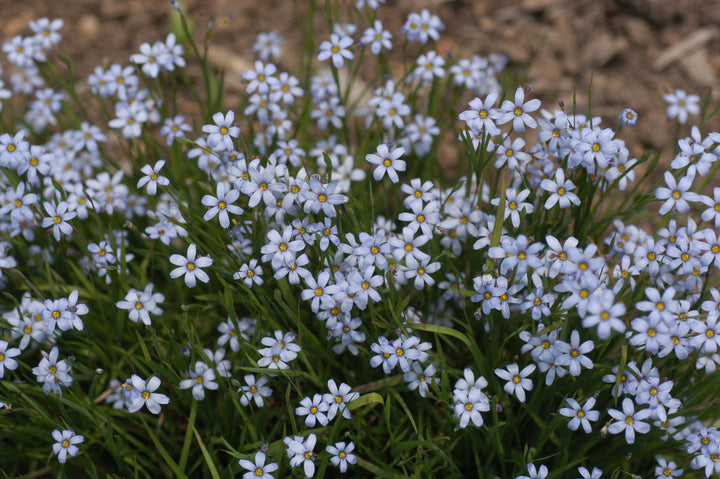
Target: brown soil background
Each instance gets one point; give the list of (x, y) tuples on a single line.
[(635, 50)]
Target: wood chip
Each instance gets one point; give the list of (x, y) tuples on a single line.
[(233, 65), (539, 5), (680, 49), (89, 26), (602, 48), (697, 66)]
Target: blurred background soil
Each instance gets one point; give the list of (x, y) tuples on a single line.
[(634, 50)]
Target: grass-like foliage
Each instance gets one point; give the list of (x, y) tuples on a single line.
[(299, 285)]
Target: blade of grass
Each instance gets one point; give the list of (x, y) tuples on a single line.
[(208, 460)]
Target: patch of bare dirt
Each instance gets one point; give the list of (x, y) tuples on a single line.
[(633, 51)]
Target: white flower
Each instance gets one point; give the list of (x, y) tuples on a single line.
[(261, 78), (420, 379), (469, 405), (222, 204), (190, 266), (250, 273), (255, 390), (628, 117), (145, 395), (629, 421), (677, 194), (300, 451), (268, 45), (535, 473), (387, 162), (314, 410), (221, 134), (377, 37), (561, 191), (342, 455), (152, 177), (201, 378), (66, 444), (337, 49), (519, 111), (141, 304), (517, 381), (337, 399), (58, 217), (681, 104), (6, 357), (581, 415), (53, 373), (258, 469)]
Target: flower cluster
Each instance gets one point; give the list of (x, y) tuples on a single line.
[(522, 297)]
